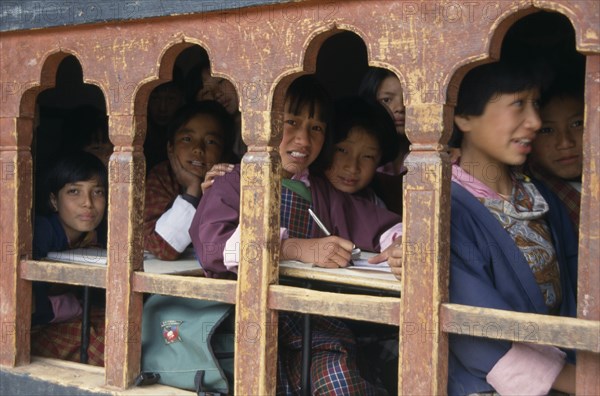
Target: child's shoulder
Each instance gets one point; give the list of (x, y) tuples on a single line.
[(46, 223), (160, 170)]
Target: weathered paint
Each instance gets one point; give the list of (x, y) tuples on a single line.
[(588, 293), (260, 51)]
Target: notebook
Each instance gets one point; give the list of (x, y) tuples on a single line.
[(97, 256), (363, 264)]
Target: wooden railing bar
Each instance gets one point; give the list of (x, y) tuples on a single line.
[(69, 273), (185, 286), (580, 334), (385, 310)]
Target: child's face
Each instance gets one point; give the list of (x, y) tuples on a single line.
[(502, 135), (163, 104), (354, 161), (219, 89), (557, 149), (199, 144), (390, 95), (102, 150), (80, 206), (302, 140)]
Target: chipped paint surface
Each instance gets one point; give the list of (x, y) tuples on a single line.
[(422, 42)]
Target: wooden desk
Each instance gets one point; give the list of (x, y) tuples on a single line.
[(370, 280), (365, 279), (344, 280), (187, 264)]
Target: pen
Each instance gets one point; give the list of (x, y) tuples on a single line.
[(318, 221), (355, 250)]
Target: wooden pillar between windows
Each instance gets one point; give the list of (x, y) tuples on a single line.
[(256, 333), (588, 293), (423, 364), (125, 254), (15, 231)]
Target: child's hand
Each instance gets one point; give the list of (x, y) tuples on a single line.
[(329, 252), (186, 179), (216, 170), (393, 254)]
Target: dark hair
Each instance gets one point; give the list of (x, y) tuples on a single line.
[(372, 80), (356, 111), (209, 107), (84, 125), (567, 84), (307, 92), (71, 168), (482, 84), (168, 86), (193, 81)]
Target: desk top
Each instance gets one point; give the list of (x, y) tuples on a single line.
[(188, 265), (343, 276)]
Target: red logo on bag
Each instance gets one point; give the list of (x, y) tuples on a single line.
[(170, 331)]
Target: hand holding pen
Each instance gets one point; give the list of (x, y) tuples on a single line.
[(329, 252), (355, 251)]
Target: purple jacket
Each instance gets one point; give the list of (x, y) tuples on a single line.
[(348, 216)]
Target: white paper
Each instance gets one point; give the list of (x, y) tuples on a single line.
[(88, 256), (363, 264)]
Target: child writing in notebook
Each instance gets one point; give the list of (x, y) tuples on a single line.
[(349, 218), (364, 137), (307, 112), (512, 244), (199, 136)]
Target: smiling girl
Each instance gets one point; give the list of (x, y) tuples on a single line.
[(363, 139), (216, 236), (512, 244), (199, 136)]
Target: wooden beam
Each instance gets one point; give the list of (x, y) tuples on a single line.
[(53, 376), (72, 274), (15, 238), (385, 310), (256, 352), (123, 347), (185, 286), (521, 327), (588, 292), (423, 365)]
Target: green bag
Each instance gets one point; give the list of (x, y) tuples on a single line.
[(188, 343)]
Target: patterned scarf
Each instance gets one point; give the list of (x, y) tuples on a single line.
[(522, 216), (565, 192)]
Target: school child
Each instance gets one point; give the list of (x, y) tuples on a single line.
[(364, 138), (556, 157), (163, 102), (76, 195), (512, 244), (219, 89), (86, 129), (215, 235), (199, 137), (381, 85)]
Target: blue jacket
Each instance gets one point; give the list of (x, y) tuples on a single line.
[(48, 236), (487, 269)]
